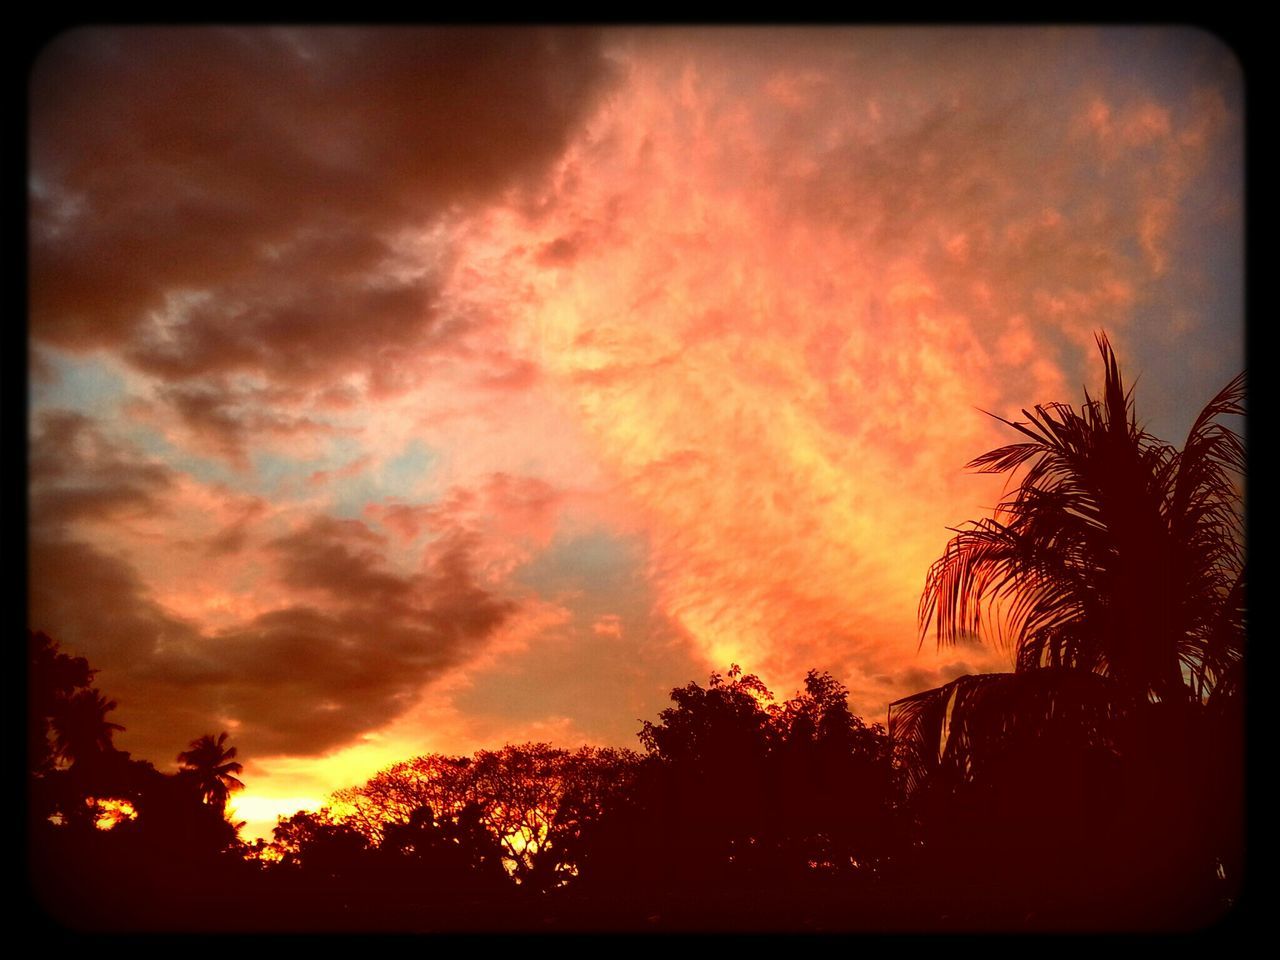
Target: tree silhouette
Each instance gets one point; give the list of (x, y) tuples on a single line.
[(82, 731), (318, 843), (448, 856), (82, 737), (534, 800), (1116, 554), (393, 795), (53, 679), (1115, 571), (158, 861), (833, 778), (212, 768), (748, 815), (721, 724)]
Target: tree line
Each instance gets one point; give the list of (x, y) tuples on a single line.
[(1097, 786)]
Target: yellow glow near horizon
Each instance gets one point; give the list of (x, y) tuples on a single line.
[(261, 813), (112, 812)]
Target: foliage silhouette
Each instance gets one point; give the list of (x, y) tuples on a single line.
[(71, 757), (534, 800), (82, 732), (835, 780), (159, 856), (708, 783), (741, 812), (1115, 571), (321, 844), (738, 798), (53, 679), (447, 855), (1117, 553), (211, 766), (533, 836)]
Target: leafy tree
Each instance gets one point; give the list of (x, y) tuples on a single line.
[(519, 791), (834, 779), (719, 724), (142, 869), (592, 782), (320, 843), (534, 800), (743, 805), (392, 796), (449, 855), (695, 818), (712, 749)]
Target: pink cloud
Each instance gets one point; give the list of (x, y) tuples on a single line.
[(790, 305), (610, 625)]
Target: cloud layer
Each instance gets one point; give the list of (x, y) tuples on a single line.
[(398, 389), (328, 641), (784, 268), (219, 204)]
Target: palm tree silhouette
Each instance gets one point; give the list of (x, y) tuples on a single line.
[(1115, 571), (1116, 554), (211, 766), (82, 732)]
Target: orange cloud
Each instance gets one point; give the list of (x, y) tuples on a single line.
[(775, 313)]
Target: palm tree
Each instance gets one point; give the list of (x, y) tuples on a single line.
[(1115, 571), (82, 732), (212, 767), (1116, 553), (94, 769)]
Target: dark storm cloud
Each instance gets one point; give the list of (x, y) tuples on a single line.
[(212, 200), (341, 559), (77, 473), (309, 679), (314, 675), (95, 604), (301, 679), (349, 647)]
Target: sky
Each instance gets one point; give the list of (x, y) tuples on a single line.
[(397, 391)]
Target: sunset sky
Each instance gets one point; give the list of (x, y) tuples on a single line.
[(400, 391)]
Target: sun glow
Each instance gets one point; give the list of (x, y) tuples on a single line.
[(111, 812)]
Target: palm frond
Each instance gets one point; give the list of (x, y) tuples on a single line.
[(949, 734), (1112, 552), (209, 764)]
